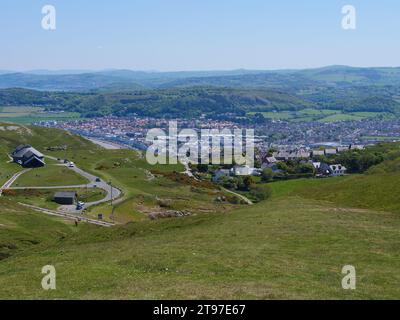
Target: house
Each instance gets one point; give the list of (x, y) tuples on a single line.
[(316, 165), (244, 171), (28, 157), (65, 197), (218, 174), (357, 147), (301, 154), (281, 155), (342, 149), (318, 153), (338, 170), (330, 152), (322, 169), (268, 162)]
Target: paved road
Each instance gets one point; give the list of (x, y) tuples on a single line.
[(107, 145), (112, 192), (12, 180)]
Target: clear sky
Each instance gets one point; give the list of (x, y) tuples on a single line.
[(197, 34)]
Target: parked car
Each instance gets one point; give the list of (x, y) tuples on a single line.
[(80, 205), (71, 165)]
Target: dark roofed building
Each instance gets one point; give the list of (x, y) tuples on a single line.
[(28, 157), (65, 197)]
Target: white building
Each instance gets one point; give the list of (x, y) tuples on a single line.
[(244, 171), (338, 170)]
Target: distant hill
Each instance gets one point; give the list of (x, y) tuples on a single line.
[(238, 92), (211, 101), (75, 80)]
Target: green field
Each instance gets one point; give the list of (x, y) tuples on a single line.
[(291, 246), (285, 249), (27, 115), (44, 198), (322, 115), (380, 138), (48, 176)]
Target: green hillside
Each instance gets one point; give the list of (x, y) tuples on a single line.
[(292, 246)]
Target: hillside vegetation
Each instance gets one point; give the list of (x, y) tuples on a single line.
[(292, 246), (123, 92)]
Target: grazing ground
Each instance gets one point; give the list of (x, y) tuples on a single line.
[(285, 248), (49, 176), (322, 115), (380, 192), (27, 115), (292, 246), (44, 198)]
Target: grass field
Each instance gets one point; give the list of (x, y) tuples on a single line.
[(287, 248), (292, 246), (27, 114), (44, 198), (322, 115), (48, 176), (342, 117), (381, 138)]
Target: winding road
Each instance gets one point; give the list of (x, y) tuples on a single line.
[(70, 211)]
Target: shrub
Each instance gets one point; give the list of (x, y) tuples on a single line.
[(261, 193)]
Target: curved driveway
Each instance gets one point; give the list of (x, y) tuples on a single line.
[(112, 192)]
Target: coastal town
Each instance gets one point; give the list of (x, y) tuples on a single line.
[(283, 150), (131, 131)]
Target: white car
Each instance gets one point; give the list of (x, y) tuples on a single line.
[(71, 165)]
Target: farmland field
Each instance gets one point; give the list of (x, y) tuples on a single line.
[(27, 114), (322, 115)]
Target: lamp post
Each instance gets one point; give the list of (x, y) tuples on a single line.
[(110, 184), (112, 208)]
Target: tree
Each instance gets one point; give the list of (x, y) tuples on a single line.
[(248, 182), (305, 168), (261, 192), (267, 175)]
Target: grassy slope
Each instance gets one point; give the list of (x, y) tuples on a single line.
[(44, 198), (48, 176), (22, 230), (287, 248), (291, 246), (372, 191), (124, 168)]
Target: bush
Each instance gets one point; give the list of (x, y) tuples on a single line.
[(261, 193), (267, 175)]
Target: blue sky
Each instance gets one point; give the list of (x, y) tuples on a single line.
[(197, 34)]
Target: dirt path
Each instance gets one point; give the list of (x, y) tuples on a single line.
[(247, 200), (68, 216)]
